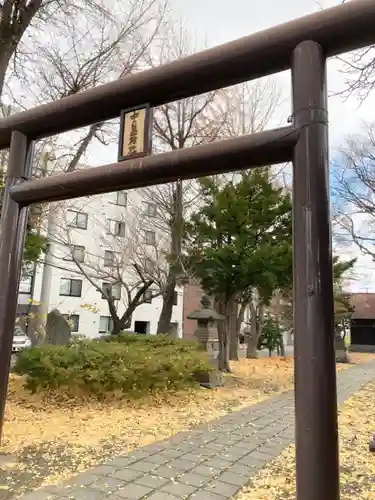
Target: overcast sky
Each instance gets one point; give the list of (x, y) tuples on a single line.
[(218, 21), (213, 22)]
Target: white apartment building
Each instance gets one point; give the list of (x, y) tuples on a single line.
[(109, 235)]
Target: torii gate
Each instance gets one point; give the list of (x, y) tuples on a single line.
[(303, 46)]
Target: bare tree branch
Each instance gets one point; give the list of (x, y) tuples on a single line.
[(127, 276), (354, 192), (87, 49)]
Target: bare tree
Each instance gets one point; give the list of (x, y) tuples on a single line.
[(251, 106), (359, 73), (185, 123), (85, 47), (124, 265), (70, 47), (40, 16), (354, 192), (91, 49)]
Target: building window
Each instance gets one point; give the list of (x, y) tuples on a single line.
[(109, 258), (142, 327), (121, 198), (105, 324), (150, 237), (70, 287), (147, 297), (77, 219), (175, 298), (116, 228), (26, 284), (150, 209), (77, 253), (73, 320), (111, 290)]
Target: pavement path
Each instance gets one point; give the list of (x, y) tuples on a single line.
[(212, 462)]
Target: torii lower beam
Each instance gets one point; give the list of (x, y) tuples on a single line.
[(265, 148)]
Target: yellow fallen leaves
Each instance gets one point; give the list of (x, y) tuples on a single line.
[(36, 418), (356, 424), (58, 436)]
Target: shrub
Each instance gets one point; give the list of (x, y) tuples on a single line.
[(153, 341), (103, 366), (271, 337)]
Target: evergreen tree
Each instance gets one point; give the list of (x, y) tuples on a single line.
[(35, 245), (240, 241), (271, 336)]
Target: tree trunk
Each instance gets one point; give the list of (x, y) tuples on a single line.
[(253, 338), (164, 323), (119, 324), (116, 330), (177, 226), (82, 148), (223, 358), (282, 346), (256, 326), (5, 56), (239, 320), (232, 317), (14, 21)]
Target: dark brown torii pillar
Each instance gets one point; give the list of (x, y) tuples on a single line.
[(12, 236), (315, 366)]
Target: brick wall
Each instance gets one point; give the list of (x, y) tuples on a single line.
[(192, 300)]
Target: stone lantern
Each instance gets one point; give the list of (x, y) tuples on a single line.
[(207, 334)]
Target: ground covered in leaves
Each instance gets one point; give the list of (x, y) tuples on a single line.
[(356, 423), (49, 437)]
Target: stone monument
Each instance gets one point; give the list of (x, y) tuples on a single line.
[(207, 335), (340, 347), (58, 331)]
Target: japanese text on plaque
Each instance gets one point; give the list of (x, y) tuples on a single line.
[(134, 133)]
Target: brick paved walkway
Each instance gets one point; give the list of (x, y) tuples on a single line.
[(210, 463)]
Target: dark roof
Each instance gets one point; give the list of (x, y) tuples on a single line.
[(364, 305)]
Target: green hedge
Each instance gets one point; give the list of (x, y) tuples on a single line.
[(130, 366), (153, 341)]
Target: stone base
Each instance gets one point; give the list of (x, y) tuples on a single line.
[(342, 356), (341, 351), (210, 380)]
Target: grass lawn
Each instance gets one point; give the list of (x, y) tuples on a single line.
[(52, 437), (356, 424)]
